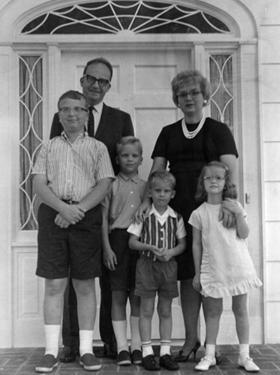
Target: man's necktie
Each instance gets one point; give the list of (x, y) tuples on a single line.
[(91, 121)]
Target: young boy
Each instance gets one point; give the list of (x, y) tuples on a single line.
[(72, 175), (159, 238), (118, 209)]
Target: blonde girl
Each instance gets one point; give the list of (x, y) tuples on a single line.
[(223, 266)]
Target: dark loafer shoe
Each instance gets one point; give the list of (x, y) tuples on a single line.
[(168, 362), (150, 363)]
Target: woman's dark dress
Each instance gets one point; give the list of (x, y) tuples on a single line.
[(186, 157)]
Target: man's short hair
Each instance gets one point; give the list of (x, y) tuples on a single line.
[(99, 60)]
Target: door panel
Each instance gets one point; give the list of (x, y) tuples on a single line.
[(140, 86)]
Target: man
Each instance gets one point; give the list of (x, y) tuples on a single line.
[(110, 124), (72, 175)]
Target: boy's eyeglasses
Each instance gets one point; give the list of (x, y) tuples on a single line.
[(77, 110), (91, 80), (210, 178)]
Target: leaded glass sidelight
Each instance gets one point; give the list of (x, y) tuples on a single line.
[(31, 130), (221, 79), (112, 17)]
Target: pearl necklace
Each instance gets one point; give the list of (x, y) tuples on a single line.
[(191, 134)]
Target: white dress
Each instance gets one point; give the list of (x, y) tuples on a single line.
[(226, 266)]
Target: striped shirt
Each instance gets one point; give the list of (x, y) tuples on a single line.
[(161, 231), (73, 169)]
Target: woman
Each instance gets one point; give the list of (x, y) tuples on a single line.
[(187, 145)]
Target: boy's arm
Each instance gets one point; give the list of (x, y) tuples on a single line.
[(72, 213), (135, 244), (96, 195), (197, 254), (109, 257)]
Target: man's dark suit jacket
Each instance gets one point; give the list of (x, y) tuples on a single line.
[(113, 125)]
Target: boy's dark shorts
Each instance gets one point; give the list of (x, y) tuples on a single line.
[(123, 277), (156, 277), (76, 248)]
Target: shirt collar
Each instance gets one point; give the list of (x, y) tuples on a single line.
[(134, 179), (99, 107), (80, 136), (168, 212)]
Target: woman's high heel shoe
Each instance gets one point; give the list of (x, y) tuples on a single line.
[(181, 357)]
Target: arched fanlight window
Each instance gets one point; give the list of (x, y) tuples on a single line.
[(112, 17)]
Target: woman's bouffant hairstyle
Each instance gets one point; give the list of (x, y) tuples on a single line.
[(229, 188), (184, 77), (163, 176), (129, 140)]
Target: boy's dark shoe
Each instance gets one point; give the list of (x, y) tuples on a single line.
[(168, 362), (89, 362), (150, 363), (136, 357), (124, 358), (47, 364), (68, 354)]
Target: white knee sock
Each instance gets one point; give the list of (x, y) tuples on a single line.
[(244, 351), (52, 332), (164, 347), (147, 348), (120, 327), (86, 337), (210, 350), (135, 334)]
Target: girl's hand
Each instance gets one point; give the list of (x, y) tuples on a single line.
[(110, 259), (196, 282), (155, 250), (232, 205)]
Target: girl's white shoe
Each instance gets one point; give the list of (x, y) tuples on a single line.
[(248, 364), (205, 363)]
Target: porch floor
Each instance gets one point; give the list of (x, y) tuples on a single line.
[(22, 361)]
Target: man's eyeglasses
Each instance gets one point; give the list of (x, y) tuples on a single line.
[(185, 94), (91, 80), (210, 178), (76, 110)]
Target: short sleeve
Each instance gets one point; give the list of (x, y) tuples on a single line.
[(40, 166), (195, 220), (224, 140), (104, 167), (181, 230), (160, 149), (135, 229)]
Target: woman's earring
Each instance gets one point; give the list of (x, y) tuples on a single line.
[(204, 101)]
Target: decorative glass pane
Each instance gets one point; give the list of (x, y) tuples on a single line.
[(140, 17), (222, 88), (31, 131)]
